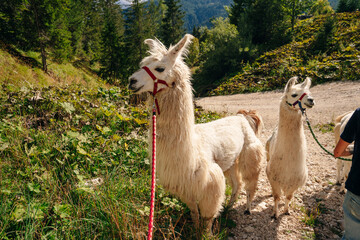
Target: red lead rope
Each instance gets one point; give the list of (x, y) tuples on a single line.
[(153, 178)]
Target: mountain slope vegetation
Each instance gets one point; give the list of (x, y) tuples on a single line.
[(325, 48)]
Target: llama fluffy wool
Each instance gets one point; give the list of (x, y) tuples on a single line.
[(342, 167), (191, 158), (286, 148)]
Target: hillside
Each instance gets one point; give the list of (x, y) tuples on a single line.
[(324, 55), (23, 69), (199, 13)]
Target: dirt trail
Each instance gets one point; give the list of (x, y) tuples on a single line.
[(320, 195)]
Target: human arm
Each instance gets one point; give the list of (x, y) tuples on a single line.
[(341, 149)]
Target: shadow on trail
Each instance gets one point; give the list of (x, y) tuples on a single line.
[(252, 226), (326, 221)]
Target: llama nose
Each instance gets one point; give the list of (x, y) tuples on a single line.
[(132, 81), (311, 101)]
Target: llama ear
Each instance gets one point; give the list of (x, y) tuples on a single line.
[(181, 46), (151, 43), (154, 45), (292, 81), (306, 83)]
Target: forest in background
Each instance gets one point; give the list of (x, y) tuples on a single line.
[(109, 40)]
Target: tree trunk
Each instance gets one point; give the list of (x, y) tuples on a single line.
[(41, 43), (43, 58)]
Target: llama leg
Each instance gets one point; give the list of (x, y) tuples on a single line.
[(346, 170), (234, 177), (250, 193), (276, 192), (287, 203), (249, 164), (194, 212), (213, 195)]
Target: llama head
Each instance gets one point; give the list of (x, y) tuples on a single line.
[(160, 66), (298, 92)]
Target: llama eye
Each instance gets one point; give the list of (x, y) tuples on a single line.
[(294, 95), (159, 69)]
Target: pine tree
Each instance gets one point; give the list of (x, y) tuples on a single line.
[(142, 22), (353, 5), (342, 6), (268, 25), (262, 22), (295, 7), (43, 28), (135, 33), (172, 26), (10, 21), (112, 57), (154, 16), (85, 20)]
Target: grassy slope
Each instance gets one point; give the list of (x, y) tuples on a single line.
[(20, 69), (59, 134), (274, 68)]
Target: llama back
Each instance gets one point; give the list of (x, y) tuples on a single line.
[(340, 118)]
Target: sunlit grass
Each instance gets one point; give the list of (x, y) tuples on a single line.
[(53, 150)]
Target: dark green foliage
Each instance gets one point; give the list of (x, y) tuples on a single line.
[(342, 6), (222, 53), (324, 37), (263, 22), (42, 27), (85, 24), (348, 6), (172, 25), (273, 69), (141, 23), (353, 5), (112, 57), (10, 16)]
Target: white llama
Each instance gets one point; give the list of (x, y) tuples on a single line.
[(342, 167), (286, 148), (191, 158)]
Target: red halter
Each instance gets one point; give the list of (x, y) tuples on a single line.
[(303, 95), (156, 81)]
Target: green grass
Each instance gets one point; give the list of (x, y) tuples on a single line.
[(61, 131), (326, 128), (311, 216), (23, 69), (51, 149)]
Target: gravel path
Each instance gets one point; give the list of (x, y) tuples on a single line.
[(320, 196)]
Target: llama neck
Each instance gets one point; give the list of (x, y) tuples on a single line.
[(176, 121), (290, 121), (176, 141)]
